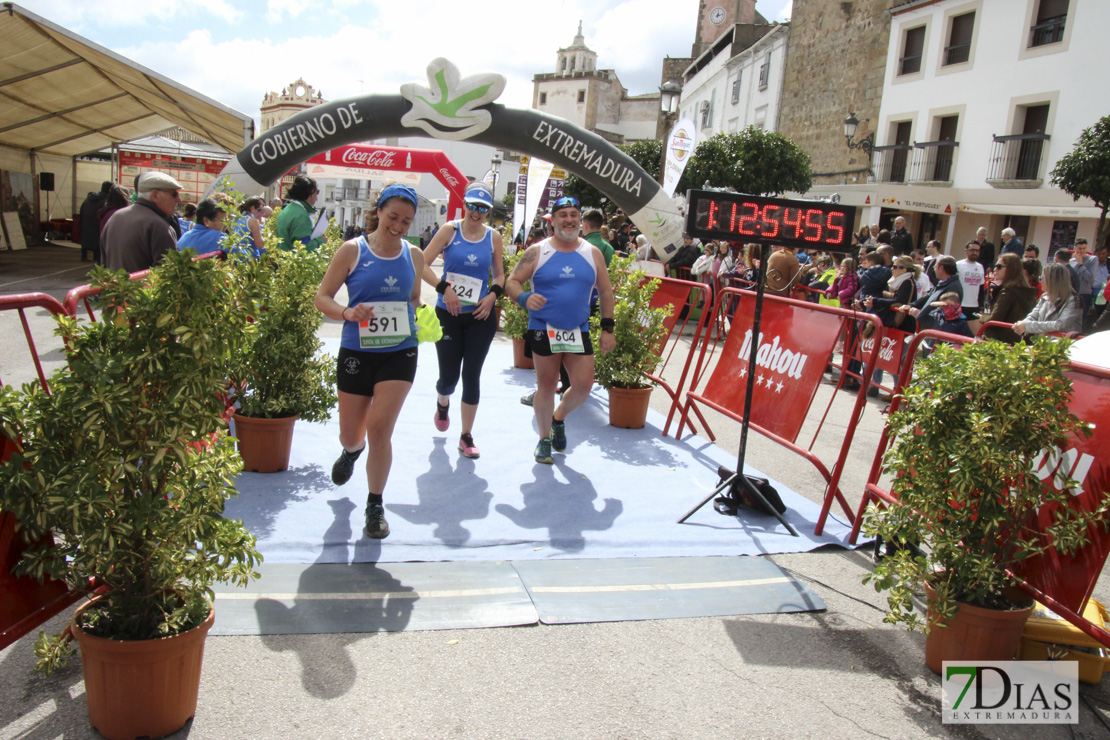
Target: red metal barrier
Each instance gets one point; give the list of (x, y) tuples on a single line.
[(19, 302), (797, 343), (25, 602), (1063, 583), (677, 294)]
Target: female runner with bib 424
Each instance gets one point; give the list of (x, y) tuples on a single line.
[(377, 352)]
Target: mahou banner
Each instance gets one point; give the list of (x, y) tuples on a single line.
[(794, 346)]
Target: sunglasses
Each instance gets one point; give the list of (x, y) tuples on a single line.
[(564, 202), (477, 208)]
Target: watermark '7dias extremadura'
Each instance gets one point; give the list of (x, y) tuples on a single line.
[(1010, 692)]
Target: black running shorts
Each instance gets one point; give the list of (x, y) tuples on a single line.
[(357, 372)]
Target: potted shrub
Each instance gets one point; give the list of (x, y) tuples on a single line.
[(125, 467), (638, 329), (970, 432), (281, 374), (514, 319)]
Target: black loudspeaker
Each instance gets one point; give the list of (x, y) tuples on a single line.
[(46, 181)]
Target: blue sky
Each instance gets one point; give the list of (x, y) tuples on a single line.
[(235, 51)]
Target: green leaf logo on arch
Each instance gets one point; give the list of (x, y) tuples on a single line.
[(448, 108)]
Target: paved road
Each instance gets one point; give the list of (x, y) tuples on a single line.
[(841, 673)]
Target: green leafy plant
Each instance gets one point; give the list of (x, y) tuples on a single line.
[(514, 319), (971, 433), (126, 464), (752, 161), (1085, 171), (638, 330), (282, 370)]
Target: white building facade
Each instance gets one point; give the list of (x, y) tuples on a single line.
[(736, 83), (594, 98), (980, 100)]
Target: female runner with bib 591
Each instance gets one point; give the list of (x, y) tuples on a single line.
[(377, 352)]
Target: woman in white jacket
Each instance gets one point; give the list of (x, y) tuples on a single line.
[(1058, 310)]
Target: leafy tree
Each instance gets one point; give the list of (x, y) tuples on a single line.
[(1085, 171), (753, 161), (647, 153)]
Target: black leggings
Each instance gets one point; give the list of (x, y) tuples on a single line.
[(462, 350)]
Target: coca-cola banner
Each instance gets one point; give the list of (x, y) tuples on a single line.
[(460, 108), (795, 344), (891, 343), (374, 158)]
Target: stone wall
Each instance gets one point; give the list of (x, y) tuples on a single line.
[(835, 62)]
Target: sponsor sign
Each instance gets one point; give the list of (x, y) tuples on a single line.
[(459, 108), (793, 348), (1070, 579), (680, 147), (1010, 692), (891, 344)]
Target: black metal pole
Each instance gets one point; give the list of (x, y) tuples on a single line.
[(754, 492)]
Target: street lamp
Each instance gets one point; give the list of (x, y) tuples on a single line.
[(495, 167), (867, 143), (669, 94)]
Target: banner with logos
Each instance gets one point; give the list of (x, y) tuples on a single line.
[(794, 346), (1070, 579), (459, 108), (369, 161), (680, 147)]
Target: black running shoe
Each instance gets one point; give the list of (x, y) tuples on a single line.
[(558, 435), (377, 528), (344, 466)]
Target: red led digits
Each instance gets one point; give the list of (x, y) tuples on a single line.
[(810, 214), (795, 224), (792, 223), (751, 218), (712, 222), (768, 219), (835, 223)]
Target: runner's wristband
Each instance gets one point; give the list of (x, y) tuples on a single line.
[(522, 299), (442, 287), (608, 325), (497, 290)]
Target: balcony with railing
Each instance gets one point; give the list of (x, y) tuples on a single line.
[(1016, 161), (957, 53), (932, 162), (1048, 31), (890, 163)]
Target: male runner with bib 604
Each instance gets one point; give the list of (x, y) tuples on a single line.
[(563, 271)]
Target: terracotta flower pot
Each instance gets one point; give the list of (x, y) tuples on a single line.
[(264, 444), (519, 360), (141, 688), (628, 407), (975, 633)]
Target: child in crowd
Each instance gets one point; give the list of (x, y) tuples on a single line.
[(948, 315)]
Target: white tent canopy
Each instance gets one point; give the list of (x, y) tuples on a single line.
[(63, 95)]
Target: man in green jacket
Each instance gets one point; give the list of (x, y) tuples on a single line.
[(296, 219), (591, 232)]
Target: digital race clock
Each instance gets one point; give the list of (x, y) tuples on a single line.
[(734, 217)]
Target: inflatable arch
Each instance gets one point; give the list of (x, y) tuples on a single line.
[(461, 109)]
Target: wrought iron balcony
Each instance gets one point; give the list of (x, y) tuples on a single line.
[(932, 162), (957, 53), (1048, 31), (1016, 161), (891, 162)]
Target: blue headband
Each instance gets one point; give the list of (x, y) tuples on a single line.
[(398, 191)]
